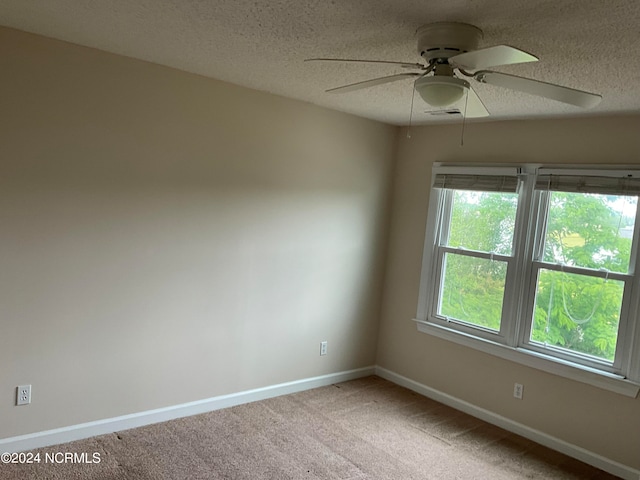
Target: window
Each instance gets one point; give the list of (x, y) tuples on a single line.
[(536, 265)]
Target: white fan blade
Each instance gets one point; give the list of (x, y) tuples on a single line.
[(386, 62), (372, 83), (542, 89), (475, 107), (491, 57)]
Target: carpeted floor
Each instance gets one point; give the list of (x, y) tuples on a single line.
[(362, 429)]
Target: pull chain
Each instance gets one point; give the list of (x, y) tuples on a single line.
[(464, 118), (413, 96)]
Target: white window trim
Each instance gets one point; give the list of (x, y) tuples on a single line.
[(509, 349), (573, 371)]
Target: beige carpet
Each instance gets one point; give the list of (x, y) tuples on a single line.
[(363, 429)]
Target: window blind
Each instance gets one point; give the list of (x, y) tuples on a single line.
[(483, 183), (623, 185)]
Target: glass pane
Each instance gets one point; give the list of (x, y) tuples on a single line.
[(483, 221), (589, 230), (473, 290), (578, 313)]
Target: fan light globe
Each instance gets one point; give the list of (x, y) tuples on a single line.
[(441, 91)]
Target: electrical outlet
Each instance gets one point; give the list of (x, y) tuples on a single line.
[(518, 388), (323, 348), (23, 396)]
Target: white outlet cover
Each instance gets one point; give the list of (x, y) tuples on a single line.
[(518, 390), (23, 395)]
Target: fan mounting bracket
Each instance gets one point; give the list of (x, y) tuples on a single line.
[(441, 40)]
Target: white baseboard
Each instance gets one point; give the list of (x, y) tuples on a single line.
[(125, 422), (537, 436)]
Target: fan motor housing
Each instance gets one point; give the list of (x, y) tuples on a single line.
[(445, 39)]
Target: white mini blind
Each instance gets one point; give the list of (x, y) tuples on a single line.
[(483, 183), (626, 184)]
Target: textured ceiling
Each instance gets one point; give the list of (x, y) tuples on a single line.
[(591, 45)]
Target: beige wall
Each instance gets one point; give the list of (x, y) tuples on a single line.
[(603, 422), (167, 238)]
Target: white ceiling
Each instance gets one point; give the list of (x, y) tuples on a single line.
[(591, 45)]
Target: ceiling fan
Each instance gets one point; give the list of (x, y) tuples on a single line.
[(450, 53)]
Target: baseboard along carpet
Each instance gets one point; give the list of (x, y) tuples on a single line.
[(362, 429)]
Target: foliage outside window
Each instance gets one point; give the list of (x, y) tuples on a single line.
[(539, 260), (474, 287), (581, 312)]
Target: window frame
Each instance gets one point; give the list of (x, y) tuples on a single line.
[(513, 340), (442, 249)]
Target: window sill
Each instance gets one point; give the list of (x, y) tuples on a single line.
[(607, 381)]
